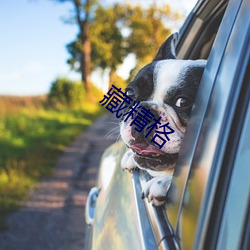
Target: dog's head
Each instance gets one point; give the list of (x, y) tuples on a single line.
[(167, 87)]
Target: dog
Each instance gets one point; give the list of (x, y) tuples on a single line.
[(167, 86)]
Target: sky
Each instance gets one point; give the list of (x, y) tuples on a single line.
[(32, 44)]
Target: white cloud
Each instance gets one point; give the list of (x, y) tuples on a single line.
[(34, 68), (27, 79), (19, 74)]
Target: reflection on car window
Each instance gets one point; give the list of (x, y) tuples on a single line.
[(236, 207)]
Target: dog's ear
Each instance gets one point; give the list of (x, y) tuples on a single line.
[(167, 49)]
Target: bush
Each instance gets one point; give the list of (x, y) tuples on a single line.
[(22, 159), (66, 93)]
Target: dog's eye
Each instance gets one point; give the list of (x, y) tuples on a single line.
[(130, 93), (183, 102)]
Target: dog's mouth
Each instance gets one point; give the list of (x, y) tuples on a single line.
[(151, 157)]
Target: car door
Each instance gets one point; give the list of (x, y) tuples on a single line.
[(215, 150)]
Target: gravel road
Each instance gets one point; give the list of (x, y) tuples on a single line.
[(53, 218)]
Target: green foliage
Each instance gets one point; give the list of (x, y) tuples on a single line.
[(31, 139), (107, 43), (119, 30), (74, 48), (108, 48), (148, 30), (66, 93)]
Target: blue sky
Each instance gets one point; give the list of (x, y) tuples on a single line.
[(32, 44)]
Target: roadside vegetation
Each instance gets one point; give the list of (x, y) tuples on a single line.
[(34, 131)]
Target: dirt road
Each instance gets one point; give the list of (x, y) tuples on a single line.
[(53, 218)]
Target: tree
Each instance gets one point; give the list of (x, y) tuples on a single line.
[(148, 31), (108, 48), (119, 30), (83, 15), (108, 44)]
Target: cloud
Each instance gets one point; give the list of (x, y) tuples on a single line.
[(31, 68), (34, 67), (23, 80)]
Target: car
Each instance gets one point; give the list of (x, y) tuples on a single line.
[(208, 203)]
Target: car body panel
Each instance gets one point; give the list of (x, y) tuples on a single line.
[(117, 224)]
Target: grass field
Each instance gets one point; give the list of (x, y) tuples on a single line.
[(31, 139)]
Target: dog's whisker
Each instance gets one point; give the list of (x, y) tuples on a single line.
[(111, 133), (116, 123), (118, 138), (113, 130)]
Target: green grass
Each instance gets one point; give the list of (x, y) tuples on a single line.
[(31, 139)]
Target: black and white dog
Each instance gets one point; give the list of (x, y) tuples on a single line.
[(167, 87)]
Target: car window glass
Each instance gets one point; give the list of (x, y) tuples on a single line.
[(187, 215), (212, 26), (213, 136), (236, 207)]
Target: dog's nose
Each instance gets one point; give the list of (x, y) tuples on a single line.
[(146, 121)]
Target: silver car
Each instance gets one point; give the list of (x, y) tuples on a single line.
[(208, 203)]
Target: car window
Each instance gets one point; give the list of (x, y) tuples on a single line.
[(209, 129), (204, 23), (192, 132), (198, 34)]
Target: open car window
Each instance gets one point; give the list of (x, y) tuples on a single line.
[(198, 33), (195, 42), (210, 28), (201, 22)]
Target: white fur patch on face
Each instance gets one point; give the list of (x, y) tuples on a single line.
[(169, 73), (126, 132)]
